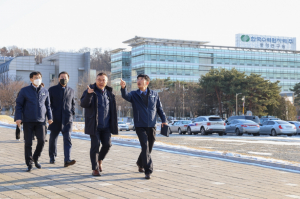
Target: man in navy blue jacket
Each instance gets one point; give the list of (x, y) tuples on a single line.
[(32, 106), (62, 99), (146, 105)]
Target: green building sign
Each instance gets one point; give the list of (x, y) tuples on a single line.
[(245, 38)]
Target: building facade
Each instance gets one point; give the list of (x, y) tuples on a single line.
[(76, 64), (188, 60)]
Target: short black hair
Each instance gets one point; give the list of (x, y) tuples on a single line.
[(146, 77), (64, 72), (101, 74), (35, 73)]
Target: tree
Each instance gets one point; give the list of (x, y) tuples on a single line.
[(296, 90), (9, 89)]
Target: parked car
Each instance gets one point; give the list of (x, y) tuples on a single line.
[(277, 127), (263, 119), (131, 126), (297, 124), (241, 126), (245, 117), (179, 126), (123, 126), (172, 122), (207, 125)]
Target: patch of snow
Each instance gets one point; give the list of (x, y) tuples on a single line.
[(259, 153)]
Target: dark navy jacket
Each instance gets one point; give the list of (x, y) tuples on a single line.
[(103, 108), (89, 101), (144, 116), (63, 108), (32, 106)]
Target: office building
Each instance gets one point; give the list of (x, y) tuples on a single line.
[(76, 64), (187, 60)]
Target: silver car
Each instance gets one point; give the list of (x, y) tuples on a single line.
[(241, 126), (277, 127), (297, 124), (179, 126), (131, 126), (123, 126)]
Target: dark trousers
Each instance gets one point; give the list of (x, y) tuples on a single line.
[(53, 145), (29, 129), (147, 138), (103, 136)]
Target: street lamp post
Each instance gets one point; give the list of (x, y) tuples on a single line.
[(236, 102)]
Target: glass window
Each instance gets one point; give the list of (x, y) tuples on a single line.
[(215, 119), (282, 122)]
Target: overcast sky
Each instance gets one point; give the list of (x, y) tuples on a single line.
[(73, 24)]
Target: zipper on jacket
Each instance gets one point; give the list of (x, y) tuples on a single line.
[(38, 102), (138, 115)]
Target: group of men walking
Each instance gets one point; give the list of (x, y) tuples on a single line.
[(35, 103)]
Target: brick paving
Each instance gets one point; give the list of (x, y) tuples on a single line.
[(175, 175)]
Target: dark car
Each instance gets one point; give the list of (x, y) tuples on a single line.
[(244, 117)]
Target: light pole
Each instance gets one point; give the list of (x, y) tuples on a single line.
[(236, 102), (243, 104)]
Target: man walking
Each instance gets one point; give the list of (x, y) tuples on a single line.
[(100, 119), (32, 106), (145, 104), (62, 99)]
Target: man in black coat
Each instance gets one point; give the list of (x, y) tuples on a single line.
[(32, 106), (100, 119), (62, 98)]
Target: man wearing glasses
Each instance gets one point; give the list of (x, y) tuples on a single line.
[(100, 119)]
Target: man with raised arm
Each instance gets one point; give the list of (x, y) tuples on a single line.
[(146, 104)]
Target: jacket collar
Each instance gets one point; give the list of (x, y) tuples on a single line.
[(62, 86), (149, 91)]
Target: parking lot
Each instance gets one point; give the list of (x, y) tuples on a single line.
[(280, 147)]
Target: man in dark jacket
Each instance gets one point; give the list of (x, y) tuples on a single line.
[(145, 104), (100, 119), (62, 99), (32, 106)]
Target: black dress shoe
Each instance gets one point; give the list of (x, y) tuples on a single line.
[(141, 170), (29, 168), (52, 161), (69, 163), (37, 165), (96, 173), (147, 176)]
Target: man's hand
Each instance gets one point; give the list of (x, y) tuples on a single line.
[(122, 83), (162, 124), (90, 90), (18, 122), (50, 121)]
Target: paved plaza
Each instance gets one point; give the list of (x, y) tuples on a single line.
[(175, 175)]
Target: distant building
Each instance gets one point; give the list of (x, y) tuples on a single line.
[(187, 60), (5, 59), (76, 64)]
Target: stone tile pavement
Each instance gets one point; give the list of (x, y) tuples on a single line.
[(175, 175)]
